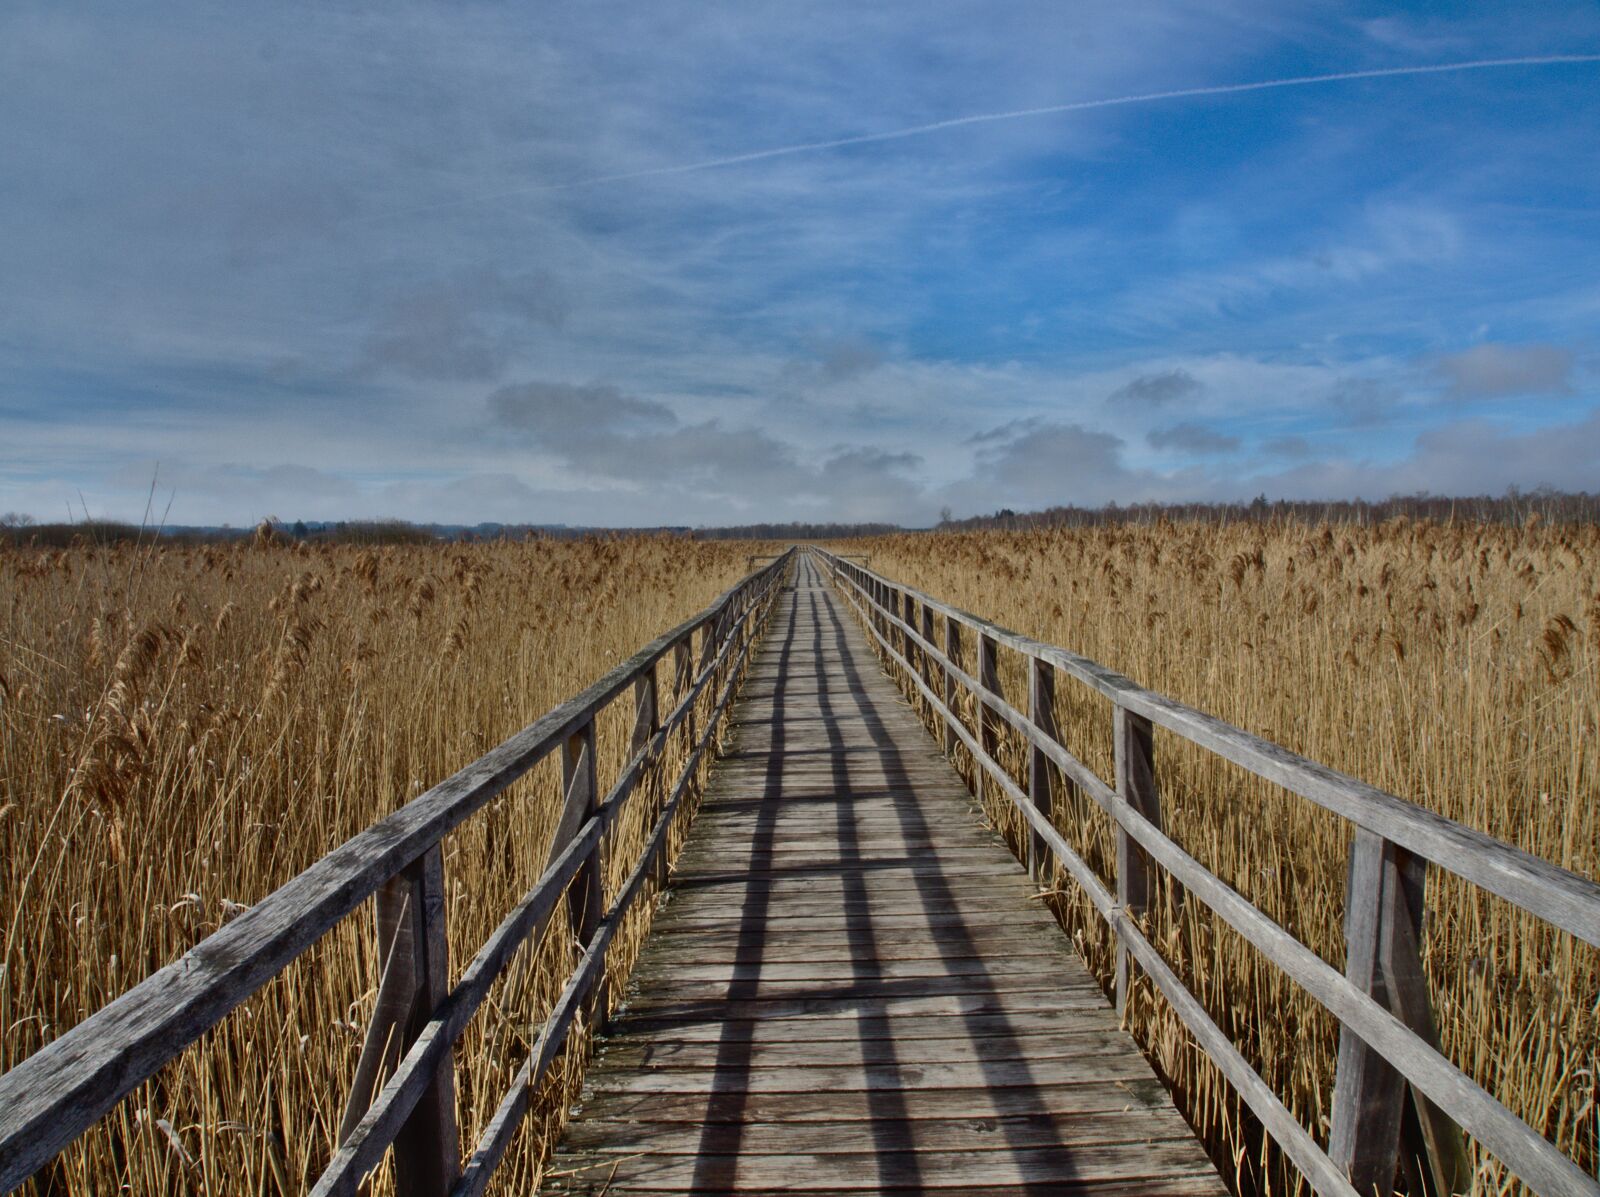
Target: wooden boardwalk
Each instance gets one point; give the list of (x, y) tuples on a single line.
[(850, 988)]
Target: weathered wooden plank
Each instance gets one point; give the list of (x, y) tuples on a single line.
[(902, 1050), (1144, 1096), (999, 1132), (846, 1171), (874, 970), (1065, 1019), (871, 1077)]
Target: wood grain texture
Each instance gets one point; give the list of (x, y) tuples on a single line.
[(849, 986)]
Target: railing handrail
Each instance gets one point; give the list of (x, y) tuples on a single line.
[(57, 1093), (1560, 897)]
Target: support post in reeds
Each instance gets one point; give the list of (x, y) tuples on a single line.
[(927, 657), (1042, 714), (586, 894), (1136, 785), (682, 679), (952, 651), (988, 721), (1378, 1126), (646, 723), (414, 978)]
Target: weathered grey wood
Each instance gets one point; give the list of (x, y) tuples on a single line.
[(882, 951), (1042, 713), (414, 982), (1160, 1168), (579, 783), (1136, 786), (362, 1148), (382, 1045), (1383, 928), (951, 661), (646, 722), (988, 685), (50, 1098), (1367, 1095)]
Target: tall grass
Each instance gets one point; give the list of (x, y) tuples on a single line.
[(1457, 666), (183, 730)]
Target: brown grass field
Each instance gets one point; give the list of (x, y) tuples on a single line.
[(1455, 666), (183, 730)]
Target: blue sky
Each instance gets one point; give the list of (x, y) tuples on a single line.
[(330, 261)]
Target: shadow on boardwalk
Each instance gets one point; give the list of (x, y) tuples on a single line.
[(850, 989)]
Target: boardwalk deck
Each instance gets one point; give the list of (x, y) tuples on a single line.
[(850, 988)]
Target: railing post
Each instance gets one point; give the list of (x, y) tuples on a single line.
[(415, 977), (926, 656), (909, 648), (1375, 1131), (682, 679), (988, 721), (1136, 785), (1042, 714), (952, 650), (646, 723), (586, 894)]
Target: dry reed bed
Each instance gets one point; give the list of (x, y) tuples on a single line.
[(183, 730), (1456, 666)]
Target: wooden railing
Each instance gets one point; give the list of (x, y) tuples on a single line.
[(1388, 1041), (60, 1091)]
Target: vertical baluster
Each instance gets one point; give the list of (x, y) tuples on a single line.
[(682, 679), (927, 657), (415, 977), (586, 894), (1375, 1129), (952, 650), (646, 722), (1042, 714), (988, 721), (1136, 784)]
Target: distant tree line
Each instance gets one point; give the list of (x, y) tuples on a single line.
[(795, 531), (1513, 507)]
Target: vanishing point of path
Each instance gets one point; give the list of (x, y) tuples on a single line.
[(851, 988)]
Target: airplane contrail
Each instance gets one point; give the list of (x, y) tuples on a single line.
[(985, 118)]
